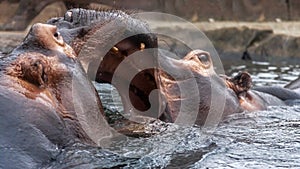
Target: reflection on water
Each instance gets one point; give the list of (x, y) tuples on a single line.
[(263, 139)]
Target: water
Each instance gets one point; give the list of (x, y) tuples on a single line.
[(263, 139), (274, 73), (257, 140)]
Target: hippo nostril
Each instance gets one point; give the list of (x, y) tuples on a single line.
[(69, 16), (204, 58), (53, 21)]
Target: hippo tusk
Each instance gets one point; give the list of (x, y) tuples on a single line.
[(142, 46), (115, 49)]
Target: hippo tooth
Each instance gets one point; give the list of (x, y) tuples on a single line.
[(115, 49), (142, 47)]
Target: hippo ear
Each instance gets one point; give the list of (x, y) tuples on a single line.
[(33, 71), (241, 83)]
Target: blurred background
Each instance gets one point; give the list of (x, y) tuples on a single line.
[(193, 10)]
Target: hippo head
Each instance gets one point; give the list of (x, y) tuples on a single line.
[(192, 90), (45, 71), (102, 40)]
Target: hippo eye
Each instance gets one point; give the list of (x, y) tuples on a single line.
[(204, 59)]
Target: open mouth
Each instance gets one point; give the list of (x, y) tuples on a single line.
[(124, 64), (126, 55)]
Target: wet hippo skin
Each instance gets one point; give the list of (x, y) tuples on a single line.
[(37, 112)]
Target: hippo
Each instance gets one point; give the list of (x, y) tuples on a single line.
[(129, 36), (236, 93), (38, 114), (78, 25)]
